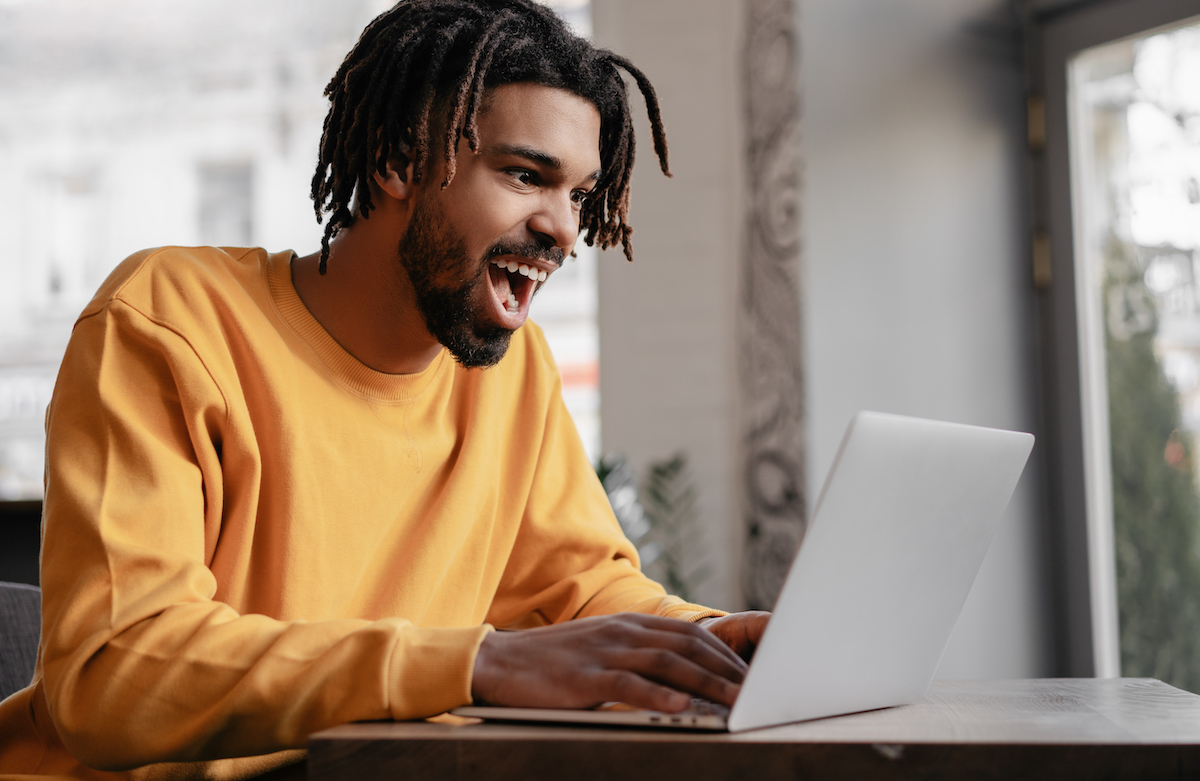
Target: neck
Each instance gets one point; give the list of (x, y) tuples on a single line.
[(365, 300)]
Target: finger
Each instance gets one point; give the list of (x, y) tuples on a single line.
[(740, 631), (697, 632), (633, 689), (670, 669), (754, 624), (719, 645), (703, 653), (754, 633)]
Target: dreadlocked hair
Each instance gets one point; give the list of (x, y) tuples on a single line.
[(426, 65)]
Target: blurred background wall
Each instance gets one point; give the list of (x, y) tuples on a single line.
[(919, 297), (667, 321), (916, 288)]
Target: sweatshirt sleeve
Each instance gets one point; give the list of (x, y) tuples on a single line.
[(140, 663), (571, 559)]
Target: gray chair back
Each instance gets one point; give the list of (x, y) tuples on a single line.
[(20, 627)]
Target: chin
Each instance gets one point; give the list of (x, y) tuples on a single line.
[(478, 349)]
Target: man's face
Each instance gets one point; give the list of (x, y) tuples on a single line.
[(476, 252)]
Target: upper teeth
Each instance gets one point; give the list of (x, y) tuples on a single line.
[(522, 269)]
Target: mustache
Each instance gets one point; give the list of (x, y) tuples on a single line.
[(526, 249)]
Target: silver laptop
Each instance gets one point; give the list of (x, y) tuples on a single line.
[(896, 539)]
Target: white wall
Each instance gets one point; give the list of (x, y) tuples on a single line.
[(667, 364), (917, 291)]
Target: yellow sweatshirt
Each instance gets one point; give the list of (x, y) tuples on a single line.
[(250, 536)]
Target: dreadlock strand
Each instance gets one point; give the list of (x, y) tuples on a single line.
[(481, 60), (471, 125), (618, 193), (374, 150), (320, 192), (384, 108), (652, 109), (463, 99), (471, 131), (437, 59), (390, 126), (341, 158), (329, 187)]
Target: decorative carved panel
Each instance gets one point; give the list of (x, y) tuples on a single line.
[(769, 328)]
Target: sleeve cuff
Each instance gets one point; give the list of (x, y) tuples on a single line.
[(705, 614), (431, 670)]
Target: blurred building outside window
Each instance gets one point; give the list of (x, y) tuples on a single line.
[(226, 203), (1135, 151), (127, 124)]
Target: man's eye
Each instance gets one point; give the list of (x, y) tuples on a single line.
[(524, 176), (581, 197)]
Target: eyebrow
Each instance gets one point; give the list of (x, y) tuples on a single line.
[(536, 156)]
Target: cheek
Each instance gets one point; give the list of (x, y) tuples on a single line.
[(492, 212), (484, 211)]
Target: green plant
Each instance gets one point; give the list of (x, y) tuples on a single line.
[(660, 519), (1155, 504), (669, 499)]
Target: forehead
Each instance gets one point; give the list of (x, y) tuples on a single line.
[(551, 120)]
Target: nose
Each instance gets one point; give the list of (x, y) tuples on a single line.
[(556, 222)]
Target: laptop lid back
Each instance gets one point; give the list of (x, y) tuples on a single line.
[(895, 541)]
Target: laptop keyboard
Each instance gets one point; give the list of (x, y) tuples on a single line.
[(701, 707)]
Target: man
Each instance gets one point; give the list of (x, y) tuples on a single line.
[(285, 493)]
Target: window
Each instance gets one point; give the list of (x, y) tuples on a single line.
[(1135, 139), (226, 204), (127, 124), (1122, 323)]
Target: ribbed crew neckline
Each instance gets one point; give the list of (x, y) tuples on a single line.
[(344, 367)]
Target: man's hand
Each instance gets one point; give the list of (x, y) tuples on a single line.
[(740, 631), (646, 661)]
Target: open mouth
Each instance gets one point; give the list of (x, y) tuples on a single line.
[(513, 284)]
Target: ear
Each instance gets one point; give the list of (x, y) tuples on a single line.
[(397, 181)]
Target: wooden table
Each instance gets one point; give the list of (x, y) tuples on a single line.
[(1128, 728)]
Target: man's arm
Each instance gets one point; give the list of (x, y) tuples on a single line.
[(615, 634), (141, 660)]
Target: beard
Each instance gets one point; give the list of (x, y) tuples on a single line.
[(453, 314)]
